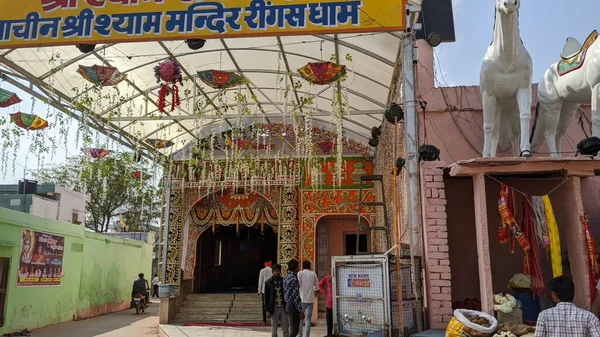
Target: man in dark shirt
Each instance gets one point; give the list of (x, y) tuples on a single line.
[(291, 295), (275, 303), (140, 286)]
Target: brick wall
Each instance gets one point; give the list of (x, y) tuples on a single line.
[(437, 259)]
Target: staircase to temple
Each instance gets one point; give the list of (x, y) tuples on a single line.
[(221, 308)]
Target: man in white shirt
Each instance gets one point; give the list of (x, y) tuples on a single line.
[(155, 285), (309, 284), (265, 274)]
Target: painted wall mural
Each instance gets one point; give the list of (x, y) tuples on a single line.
[(353, 169)]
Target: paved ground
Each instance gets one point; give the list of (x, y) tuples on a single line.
[(120, 324), (182, 331)]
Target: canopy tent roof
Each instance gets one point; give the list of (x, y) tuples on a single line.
[(129, 112)]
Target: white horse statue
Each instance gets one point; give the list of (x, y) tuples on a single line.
[(505, 83), (566, 85)]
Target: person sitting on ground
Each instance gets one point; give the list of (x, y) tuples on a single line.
[(565, 319)]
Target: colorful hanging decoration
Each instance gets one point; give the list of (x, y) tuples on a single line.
[(28, 121), (592, 255), (101, 75), (97, 153), (139, 175), (168, 72), (531, 261), (8, 98), (160, 143), (541, 223), (555, 254), (217, 79), (508, 219), (322, 73)]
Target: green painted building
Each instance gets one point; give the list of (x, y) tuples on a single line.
[(85, 274)]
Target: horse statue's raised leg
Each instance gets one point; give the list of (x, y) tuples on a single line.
[(566, 116), (551, 119), (524, 102)]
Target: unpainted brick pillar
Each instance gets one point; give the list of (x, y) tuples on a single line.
[(438, 292)]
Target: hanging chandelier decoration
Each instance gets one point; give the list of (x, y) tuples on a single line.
[(169, 73), (217, 79), (160, 143), (101, 75), (322, 73), (28, 121), (8, 98)]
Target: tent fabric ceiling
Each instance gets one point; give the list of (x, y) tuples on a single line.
[(130, 109)]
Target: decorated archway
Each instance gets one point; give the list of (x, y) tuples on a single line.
[(276, 207), (320, 203)]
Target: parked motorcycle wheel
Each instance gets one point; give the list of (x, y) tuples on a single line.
[(137, 308)]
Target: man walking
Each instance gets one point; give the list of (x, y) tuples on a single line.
[(291, 295), (565, 319), (155, 286), (309, 284), (275, 303), (265, 274)]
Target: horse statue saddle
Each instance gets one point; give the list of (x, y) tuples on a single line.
[(573, 54)]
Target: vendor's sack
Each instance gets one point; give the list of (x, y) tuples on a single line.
[(462, 326)]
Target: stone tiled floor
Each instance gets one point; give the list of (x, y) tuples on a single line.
[(183, 331)]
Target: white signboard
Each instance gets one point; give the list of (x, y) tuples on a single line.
[(360, 305)]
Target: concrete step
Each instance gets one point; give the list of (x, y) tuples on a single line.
[(206, 304), (247, 297), (237, 304), (211, 297), (201, 317), (245, 317), (246, 310), (204, 311)]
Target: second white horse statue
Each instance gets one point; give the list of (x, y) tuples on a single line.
[(565, 86), (505, 83)]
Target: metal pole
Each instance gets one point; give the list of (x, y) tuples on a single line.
[(411, 144), (166, 229)]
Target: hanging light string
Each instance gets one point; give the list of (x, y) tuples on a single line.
[(525, 194)]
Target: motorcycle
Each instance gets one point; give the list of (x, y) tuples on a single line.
[(139, 303)]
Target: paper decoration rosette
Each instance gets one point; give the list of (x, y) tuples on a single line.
[(160, 143), (28, 121), (322, 73), (220, 79), (96, 153), (8, 98), (101, 75), (168, 72)]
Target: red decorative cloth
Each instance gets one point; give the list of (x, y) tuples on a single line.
[(531, 264)]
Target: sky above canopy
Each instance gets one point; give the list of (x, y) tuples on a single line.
[(544, 29)]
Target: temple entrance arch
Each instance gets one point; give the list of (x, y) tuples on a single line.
[(229, 234)]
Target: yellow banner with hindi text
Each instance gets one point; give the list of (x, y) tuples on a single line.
[(33, 23)]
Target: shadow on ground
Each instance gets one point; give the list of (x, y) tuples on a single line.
[(125, 323)]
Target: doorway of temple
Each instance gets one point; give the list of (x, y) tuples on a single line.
[(229, 260)]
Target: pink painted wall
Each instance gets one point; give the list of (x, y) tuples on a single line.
[(463, 251), (337, 227), (590, 193), (459, 133)]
